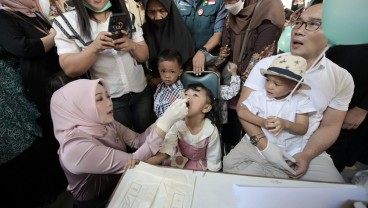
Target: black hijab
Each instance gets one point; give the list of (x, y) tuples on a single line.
[(168, 33)]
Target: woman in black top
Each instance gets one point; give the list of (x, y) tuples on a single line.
[(352, 144), (165, 29), (32, 177)]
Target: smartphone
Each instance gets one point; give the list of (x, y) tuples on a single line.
[(118, 22)]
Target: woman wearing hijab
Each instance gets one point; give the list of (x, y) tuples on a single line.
[(29, 169), (165, 29), (265, 22), (93, 145)]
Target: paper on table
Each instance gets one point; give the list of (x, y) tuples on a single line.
[(301, 197), (149, 186)]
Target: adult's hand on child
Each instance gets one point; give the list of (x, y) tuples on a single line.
[(275, 125), (175, 112), (278, 156)]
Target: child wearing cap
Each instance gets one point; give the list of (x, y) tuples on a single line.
[(282, 115)]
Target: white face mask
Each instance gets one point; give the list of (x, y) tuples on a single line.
[(235, 8)]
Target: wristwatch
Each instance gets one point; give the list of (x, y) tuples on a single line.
[(203, 49), (255, 139)]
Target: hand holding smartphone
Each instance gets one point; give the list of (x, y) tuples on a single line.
[(118, 22)]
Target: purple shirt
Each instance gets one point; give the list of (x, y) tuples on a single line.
[(94, 165)]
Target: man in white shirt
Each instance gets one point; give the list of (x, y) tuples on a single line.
[(331, 91)]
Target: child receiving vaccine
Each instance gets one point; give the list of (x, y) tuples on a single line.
[(193, 143)]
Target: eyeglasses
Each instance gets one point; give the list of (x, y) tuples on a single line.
[(310, 26)]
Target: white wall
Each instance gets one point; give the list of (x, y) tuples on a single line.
[(287, 3)]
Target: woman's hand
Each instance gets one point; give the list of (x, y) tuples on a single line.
[(175, 112), (130, 164), (125, 43), (48, 41), (103, 41)]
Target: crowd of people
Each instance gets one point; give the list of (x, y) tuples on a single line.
[(80, 107)]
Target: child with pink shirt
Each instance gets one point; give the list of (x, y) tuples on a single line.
[(193, 143)]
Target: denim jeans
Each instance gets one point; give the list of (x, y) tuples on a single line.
[(134, 110)]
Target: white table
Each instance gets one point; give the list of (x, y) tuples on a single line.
[(216, 189)]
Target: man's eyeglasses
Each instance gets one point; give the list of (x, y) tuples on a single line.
[(310, 26)]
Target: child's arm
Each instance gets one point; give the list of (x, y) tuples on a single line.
[(228, 92), (168, 147), (276, 125), (213, 154), (157, 159), (252, 118), (233, 69)]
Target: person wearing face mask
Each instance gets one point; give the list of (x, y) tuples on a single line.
[(264, 19), (234, 8), (164, 29), (115, 60)]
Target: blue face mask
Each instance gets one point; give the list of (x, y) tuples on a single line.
[(106, 7)]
